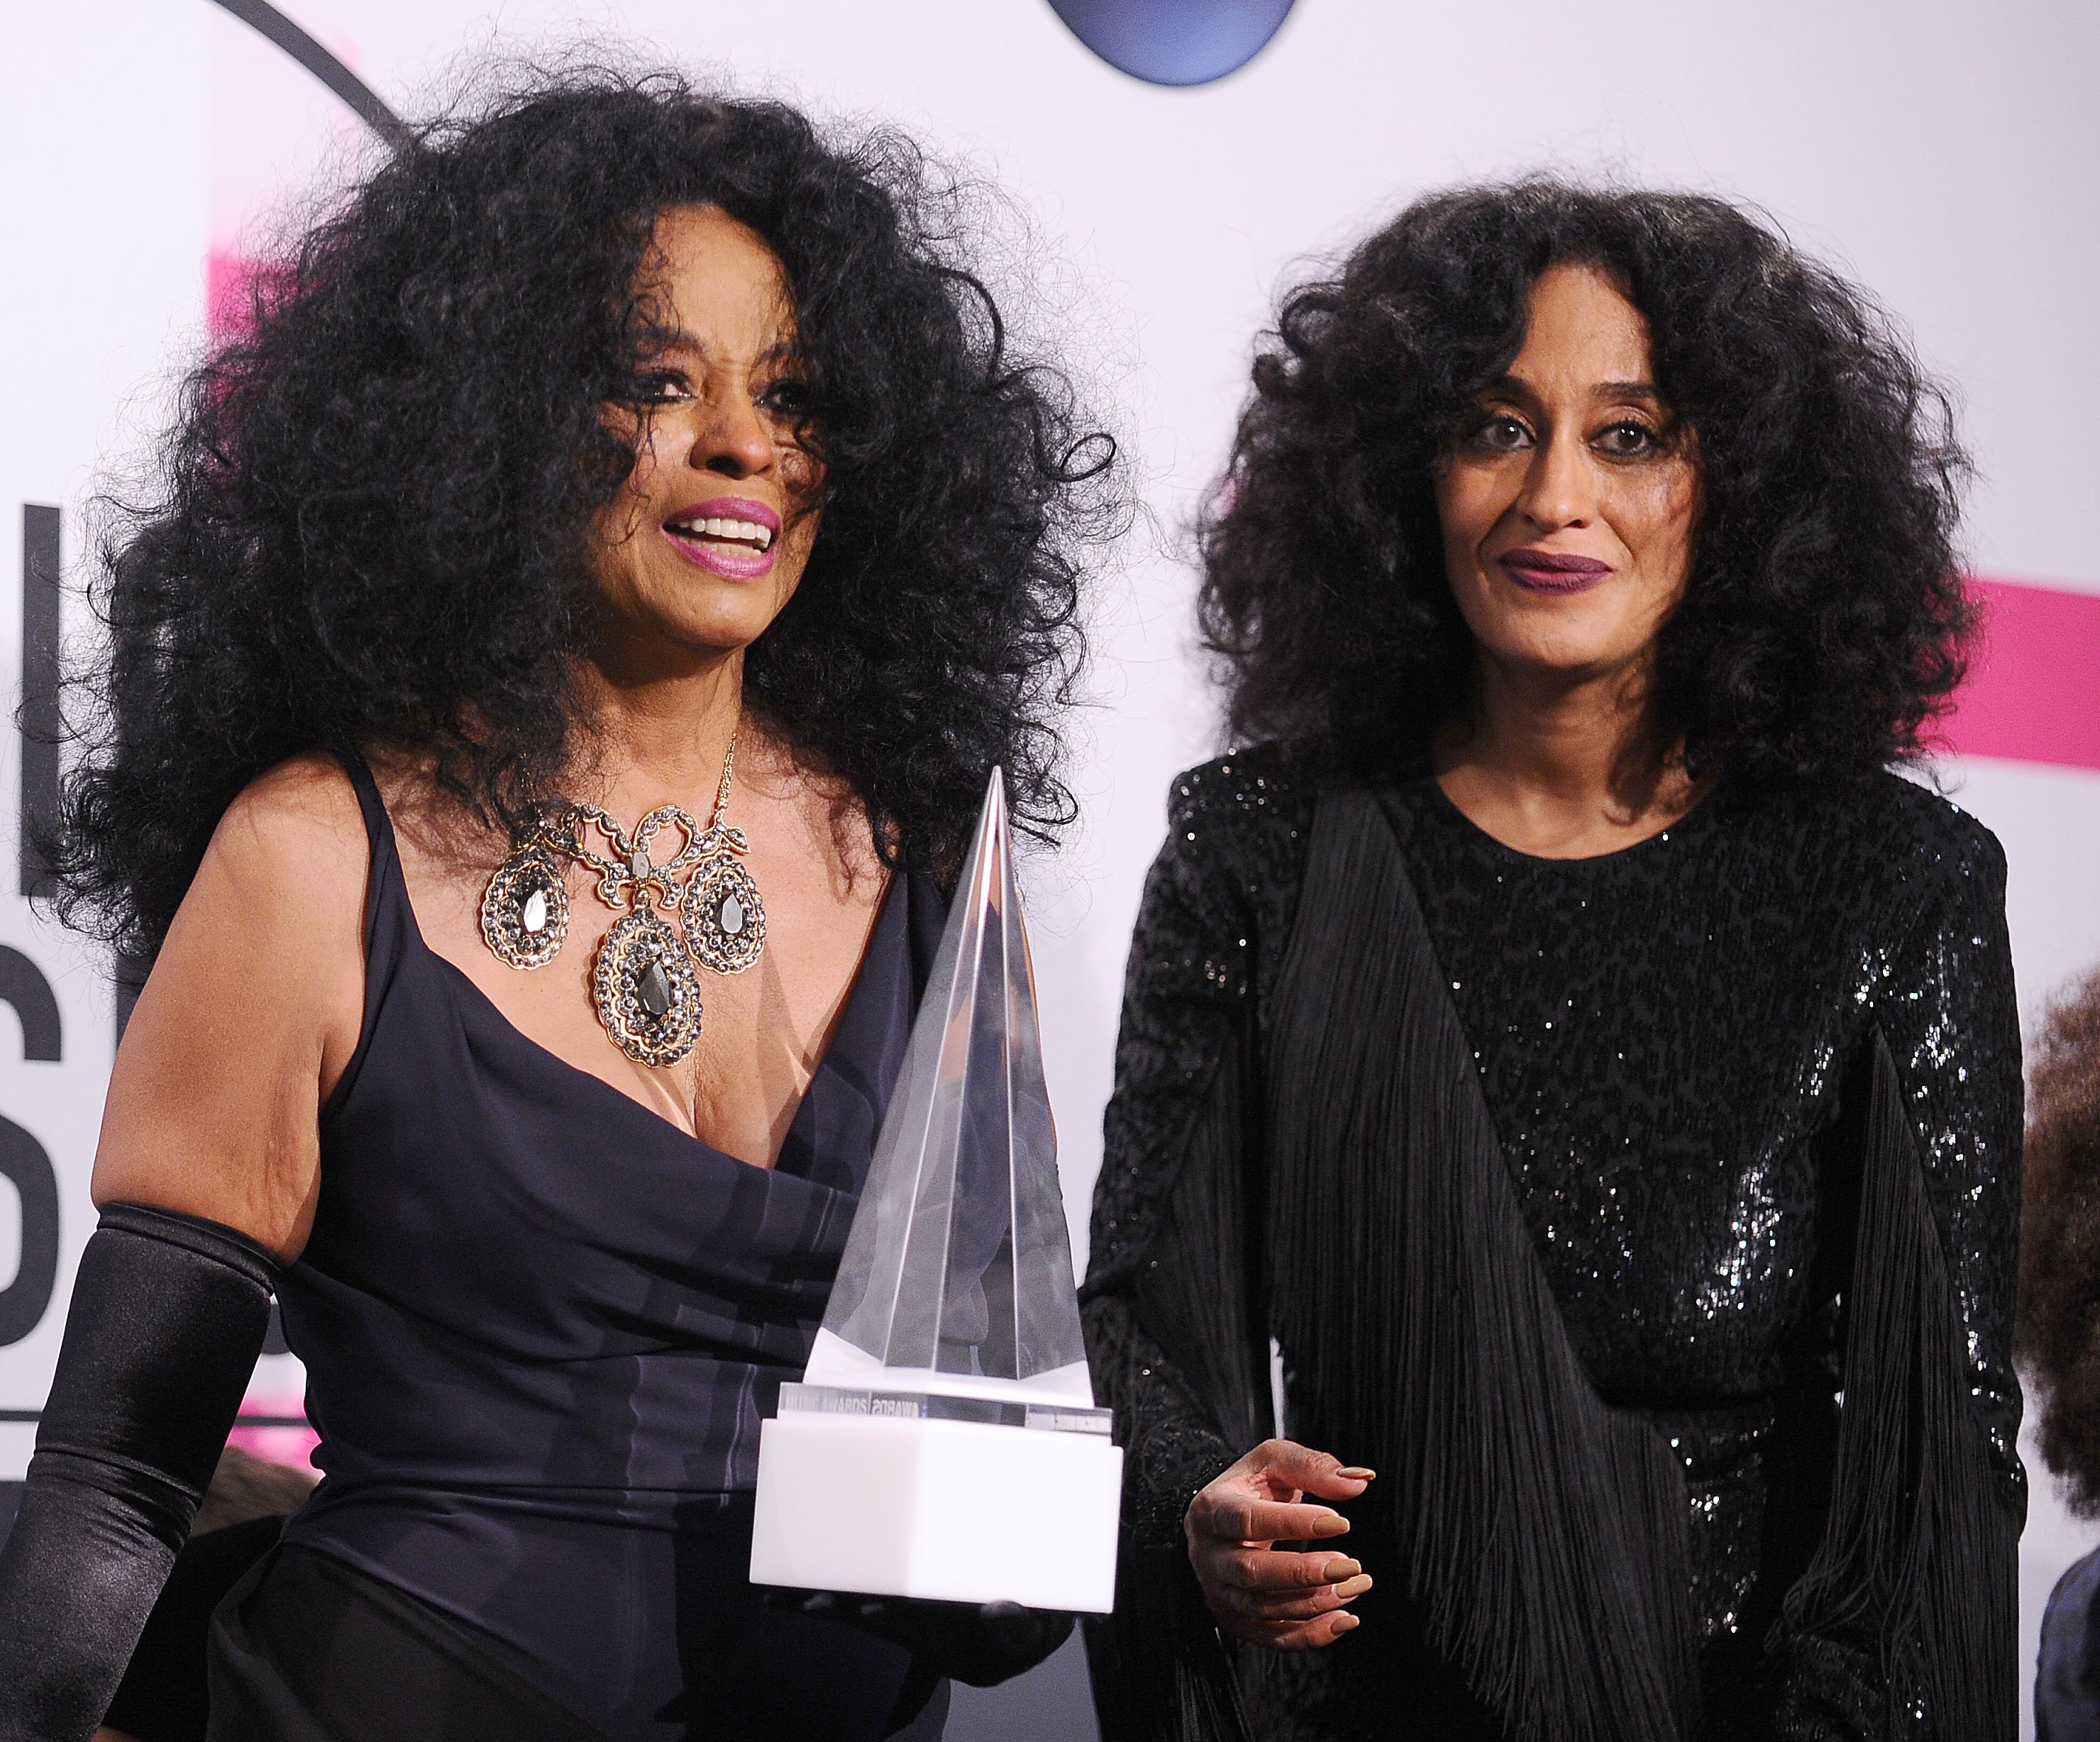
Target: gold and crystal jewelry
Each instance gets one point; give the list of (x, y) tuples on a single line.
[(647, 998), (724, 919), (628, 876), (722, 913), (525, 910)]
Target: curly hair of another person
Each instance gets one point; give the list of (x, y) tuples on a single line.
[(2057, 1333), (1825, 620), (371, 521)]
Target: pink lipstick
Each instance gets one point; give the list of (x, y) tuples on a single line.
[(731, 535), (1552, 571)]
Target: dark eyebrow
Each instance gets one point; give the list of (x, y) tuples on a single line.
[(677, 338), (673, 338), (1606, 390)]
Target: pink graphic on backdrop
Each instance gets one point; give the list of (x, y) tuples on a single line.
[(291, 1443), (229, 282), (2033, 692), (232, 281), (279, 138)]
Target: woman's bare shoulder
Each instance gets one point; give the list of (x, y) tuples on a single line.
[(292, 824), (283, 880)]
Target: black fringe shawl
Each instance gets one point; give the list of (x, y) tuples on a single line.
[(1917, 1573), (1541, 1534), (1348, 1192)]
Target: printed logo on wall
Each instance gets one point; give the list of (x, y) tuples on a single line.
[(1175, 42)]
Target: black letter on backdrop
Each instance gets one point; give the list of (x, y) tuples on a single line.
[(40, 692), (24, 1301), (23, 1160)]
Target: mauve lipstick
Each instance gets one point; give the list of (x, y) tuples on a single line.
[(1552, 571), (726, 560)]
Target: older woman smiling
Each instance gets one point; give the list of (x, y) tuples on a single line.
[(581, 618)]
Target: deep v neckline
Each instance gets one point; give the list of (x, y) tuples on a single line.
[(513, 1035), (516, 1036)]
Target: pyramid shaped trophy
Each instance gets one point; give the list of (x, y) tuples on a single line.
[(944, 1442)]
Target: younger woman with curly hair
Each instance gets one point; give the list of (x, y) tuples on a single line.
[(2057, 1339), (569, 656), (1561, 1038)]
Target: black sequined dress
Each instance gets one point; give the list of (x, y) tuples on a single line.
[(1675, 1316)]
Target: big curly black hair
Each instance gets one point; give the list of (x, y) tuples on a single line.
[(2056, 1329), (1825, 620), (370, 520)]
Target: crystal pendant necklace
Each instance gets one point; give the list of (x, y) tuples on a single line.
[(648, 998)]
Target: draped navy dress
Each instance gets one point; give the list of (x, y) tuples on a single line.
[(541, 1327)]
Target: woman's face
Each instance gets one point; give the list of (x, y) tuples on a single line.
[(1567, 504), (710, 537)]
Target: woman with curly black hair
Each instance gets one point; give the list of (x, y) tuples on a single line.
[(2057, 1339), (1562, 1039), (569, 655)]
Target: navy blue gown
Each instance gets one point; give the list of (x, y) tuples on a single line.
[(541, 1327)]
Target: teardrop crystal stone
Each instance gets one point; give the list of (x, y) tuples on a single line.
[(732, 916), (534, 918), (652, 990)]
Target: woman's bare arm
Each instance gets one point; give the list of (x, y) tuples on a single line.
[(249, 1016)]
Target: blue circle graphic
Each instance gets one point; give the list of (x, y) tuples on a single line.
[(1175, 42)]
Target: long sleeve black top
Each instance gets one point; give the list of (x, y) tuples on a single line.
[(1663, 1037)]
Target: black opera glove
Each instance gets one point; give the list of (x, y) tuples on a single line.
[(979, 1643), (168, 1314)]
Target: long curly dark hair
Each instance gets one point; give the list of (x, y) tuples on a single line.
[(2057, 1331), (370, 520), (1824, 621)]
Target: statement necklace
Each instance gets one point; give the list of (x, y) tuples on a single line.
[(648, 998)]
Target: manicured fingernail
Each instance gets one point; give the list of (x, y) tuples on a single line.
[(1333, 1524), (1343, 1623), (1355, 1473), (1338, 1570), (1355, 1587)]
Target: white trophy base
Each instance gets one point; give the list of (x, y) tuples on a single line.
[(956, 1511)]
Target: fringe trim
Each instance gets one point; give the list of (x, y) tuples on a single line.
[(1159, 1670), (1917, 1577), (1157, 1666), (1541, 1534)]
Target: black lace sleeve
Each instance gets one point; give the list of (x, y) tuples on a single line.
[(1904, 1624)]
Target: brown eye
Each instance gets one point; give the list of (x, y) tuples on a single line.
[(1629, 439), (658, 387), (787, 398), (1500, 434)]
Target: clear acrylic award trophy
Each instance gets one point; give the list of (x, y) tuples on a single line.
[(944, 1442)]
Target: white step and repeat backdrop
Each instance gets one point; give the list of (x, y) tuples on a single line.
[(1944, 154)]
